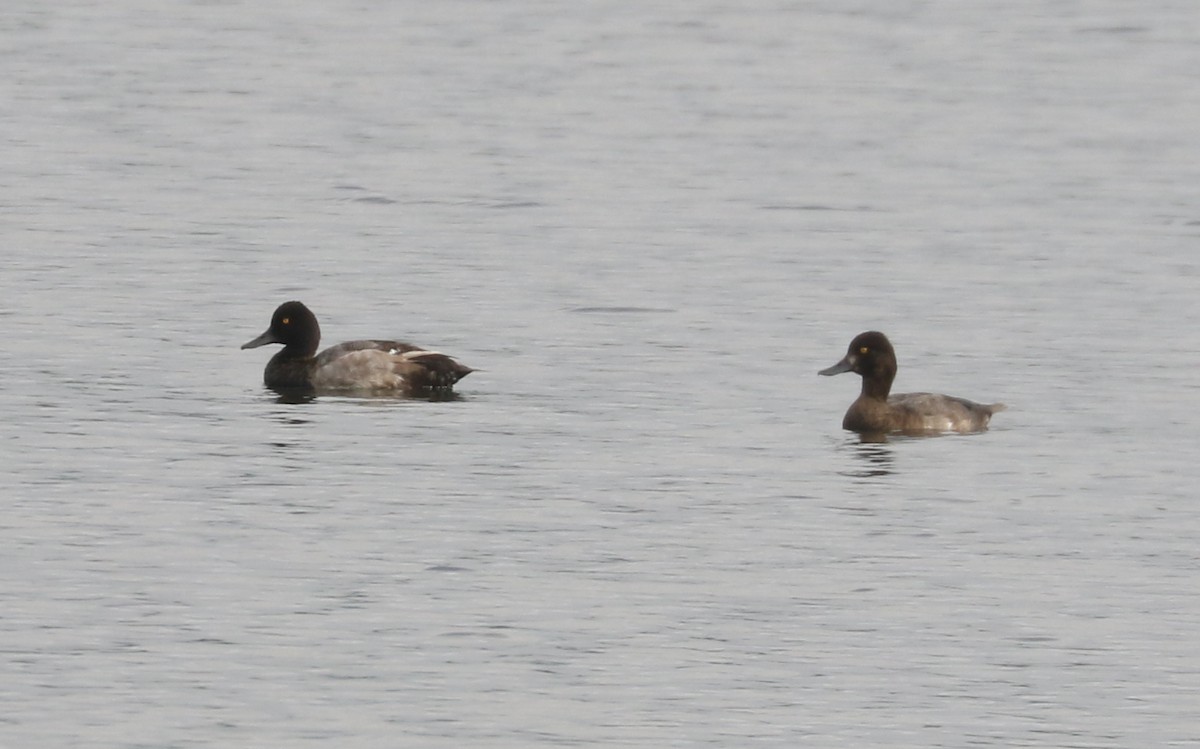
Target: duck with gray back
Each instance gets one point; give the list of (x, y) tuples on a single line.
[(877, 412), (368, 366)]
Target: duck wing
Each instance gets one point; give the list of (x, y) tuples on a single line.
[(380, 365), (429, 369), (935, 412)]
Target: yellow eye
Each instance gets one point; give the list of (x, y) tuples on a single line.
[(286, 321), (862, 350)]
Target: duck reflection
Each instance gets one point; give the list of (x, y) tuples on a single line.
[(295, 396), (872, 459)]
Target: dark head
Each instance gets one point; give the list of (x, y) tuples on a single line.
[(872, 356), (293, 325)]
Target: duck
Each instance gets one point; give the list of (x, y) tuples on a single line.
[(876, 412), (372, 366)]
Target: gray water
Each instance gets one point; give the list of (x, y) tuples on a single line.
[(647, 226)]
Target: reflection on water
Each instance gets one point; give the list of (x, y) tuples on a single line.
[(295, 397), (872, 458)]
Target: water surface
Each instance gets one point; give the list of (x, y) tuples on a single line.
[(640, 525)]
